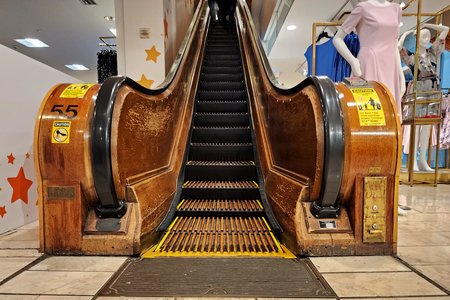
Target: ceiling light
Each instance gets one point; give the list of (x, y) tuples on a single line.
[(109, 18), (33, 43), (76, 67), (113, 31), (291, 27), (402, 4), (401, 24)]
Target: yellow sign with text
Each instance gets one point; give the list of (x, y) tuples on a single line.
[(369, 107), (76, 90), (61, 132)]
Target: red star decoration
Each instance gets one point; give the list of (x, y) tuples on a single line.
[(11, 159), (20, 185), (166, 27), (2, 211)]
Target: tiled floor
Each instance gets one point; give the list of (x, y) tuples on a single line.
[(421, 272)]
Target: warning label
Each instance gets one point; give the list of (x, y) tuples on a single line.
[(370, 111), (76, 90), (61, 132)]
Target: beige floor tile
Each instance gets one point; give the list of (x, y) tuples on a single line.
[(380, 284), (10, 265), (437, 273), (32, 225), (421, 217), (403, 298), (19, 252), (141, 298), (53, 282), (294, 298), (19, 244), (18, 297), (48, 297), (414, 227), (21, 235), (80, 263), (358, 264), (423, 239), (425, 255)]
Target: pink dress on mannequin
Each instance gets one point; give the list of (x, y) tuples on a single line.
[(378, 31)]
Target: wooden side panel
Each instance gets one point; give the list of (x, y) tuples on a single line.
[(63, 161)]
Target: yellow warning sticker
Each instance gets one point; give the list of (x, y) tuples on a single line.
[(61, 132), (76, 90), (369, 107)]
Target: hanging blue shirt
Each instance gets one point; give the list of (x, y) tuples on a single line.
[(325, 56)]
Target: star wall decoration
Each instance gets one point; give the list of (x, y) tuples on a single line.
[(145, 82), (152, 54), (20, 185), (27, 155), (2, 211), (11, 159)]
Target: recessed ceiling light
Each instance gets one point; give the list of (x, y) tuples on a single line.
[(401, 24), (32, 43), (109, 18), (113, 31), (291, 27), (76, 67), (402, 4)]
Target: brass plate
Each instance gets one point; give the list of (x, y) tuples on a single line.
[(61, 192), (374, 218), (339, 225)]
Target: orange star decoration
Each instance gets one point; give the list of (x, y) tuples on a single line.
[(145, 82), (20, 185), (152, 54), (166, 27), (11, 159), (2, 211), (27, 155)]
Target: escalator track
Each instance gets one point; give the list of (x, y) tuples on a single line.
[(221, 210)]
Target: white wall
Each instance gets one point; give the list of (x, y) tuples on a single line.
[(23, 84), (167, 21)]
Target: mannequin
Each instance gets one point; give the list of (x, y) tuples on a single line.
[(377, 23), (427, 80)]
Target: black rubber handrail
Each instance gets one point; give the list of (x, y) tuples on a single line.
[(327, 205), (110, 206)]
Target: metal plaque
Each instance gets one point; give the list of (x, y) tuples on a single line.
[(374, 209), (61, 192)]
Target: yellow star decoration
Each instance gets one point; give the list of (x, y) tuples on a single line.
[(145, 82), (152, 54)]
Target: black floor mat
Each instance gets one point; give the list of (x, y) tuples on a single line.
[(213, 277)]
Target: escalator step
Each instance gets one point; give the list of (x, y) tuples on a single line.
[(210, 86), (222, 77), (221, 106), (221, 119), (222, 70), (220, 189), (219, 235), (221, 63), (223, 171), (221, 151), (221, 134), (219, 205), (223, 57), (221, 95)]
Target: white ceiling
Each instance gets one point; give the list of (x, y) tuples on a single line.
[(72, 31)]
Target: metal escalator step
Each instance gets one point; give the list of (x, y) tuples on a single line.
[(221, 106), (222, 57), (221, 95), (222, 70), (221, 151), (222, 51), (222, 86), (220, 163), (221, 77), (221, 119), (224, 171), (221, 134), (219, 236), (221, 63), (220, 205), (222, 189)]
